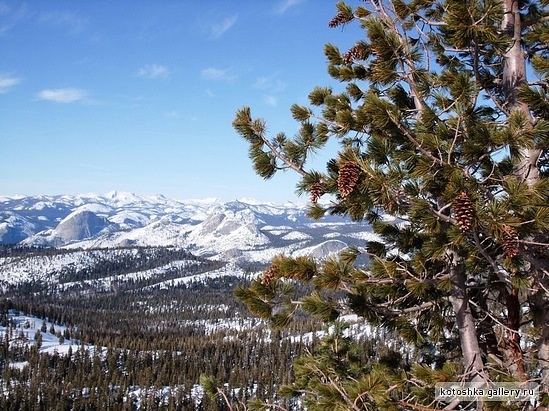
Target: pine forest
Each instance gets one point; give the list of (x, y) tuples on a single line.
[(440, 114)]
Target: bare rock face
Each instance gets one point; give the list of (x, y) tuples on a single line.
[(14, 229), (327, 248), (79, 226), (242, 231)]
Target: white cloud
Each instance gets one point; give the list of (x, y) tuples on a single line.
[(270, 100), (65, 20), (154, 71), (221, 27), (284, 5), (173, 114), (262, 83), (269, 83), (7, 82), (4, 9), (62, 95), (215, 74), (12, 16)]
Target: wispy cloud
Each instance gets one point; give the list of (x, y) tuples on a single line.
[(7, 82), (216, 74), (64, 19), (284, 5), (270, 100), (269, 83), (62, 95), (173, 114), (154, 71), (219, 28), (10, 16)]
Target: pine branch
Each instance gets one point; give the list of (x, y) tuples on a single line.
[(442, 216), (408, 134), (422, 307), (502, 274), (498, 321), (254, 133), (281, 157), (332, 123), (531, 22), (279, 407), (418, 407), (457, 134), (408, 66), (339, 389), (430, 23)]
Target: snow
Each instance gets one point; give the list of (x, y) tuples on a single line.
[(296, 235), (48, 268), (366, 236), (227, 270), (325, 249), (243, 230), (105, 283), (197, 394), (41, 205), (24, 333), (129, 218)]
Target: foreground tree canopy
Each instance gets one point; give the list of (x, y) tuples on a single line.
[(443, 122)]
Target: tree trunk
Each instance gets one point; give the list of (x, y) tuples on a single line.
[(470, 349), (541, 321), (543, 356), (514, 74), (512, 351)]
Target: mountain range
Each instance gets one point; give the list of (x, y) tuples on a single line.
[(242, 230)]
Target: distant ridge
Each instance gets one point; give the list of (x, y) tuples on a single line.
[(243, 229)]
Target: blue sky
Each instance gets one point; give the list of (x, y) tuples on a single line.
[(139, 95)]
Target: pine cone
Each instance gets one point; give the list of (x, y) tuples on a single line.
[(356, 52), (269, 275), (510, 241), (349, 173), (317, 190), (339, 19), (465, 211)]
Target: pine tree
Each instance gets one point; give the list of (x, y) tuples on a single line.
[(444, 131)]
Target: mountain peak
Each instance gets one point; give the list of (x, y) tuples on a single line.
[(245, 229)]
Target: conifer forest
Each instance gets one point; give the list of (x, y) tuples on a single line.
[(127, 348), (440, 113)]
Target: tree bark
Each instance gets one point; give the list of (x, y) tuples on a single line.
[(470, 349), (541, 321), (512, 350), (514, 74)]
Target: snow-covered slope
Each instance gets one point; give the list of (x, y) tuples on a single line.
[(239, 230)]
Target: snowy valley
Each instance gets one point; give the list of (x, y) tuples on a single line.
[(141, 290)]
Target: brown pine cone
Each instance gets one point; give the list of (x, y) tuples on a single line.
[(356, 52), (339, 19), (269, 275), (464, 211), (317, 190), (510, 241), (348, 177)]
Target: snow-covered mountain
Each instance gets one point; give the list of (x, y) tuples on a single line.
[(242, 230)]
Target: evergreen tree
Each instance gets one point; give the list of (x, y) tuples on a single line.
[(444, 131)]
